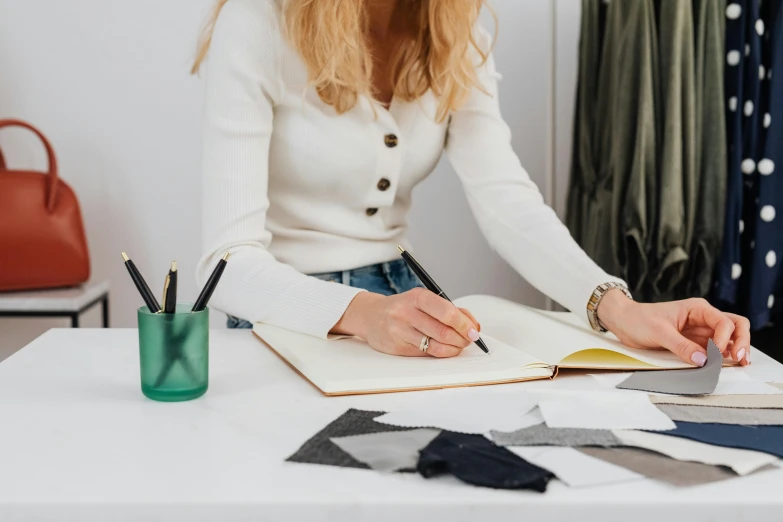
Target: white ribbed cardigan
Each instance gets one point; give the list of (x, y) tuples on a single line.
[(290, 187)]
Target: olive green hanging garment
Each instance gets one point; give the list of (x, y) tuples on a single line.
[(628, 91), (677, 169), (711, 153)]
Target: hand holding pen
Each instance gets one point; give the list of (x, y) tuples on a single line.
[(433, 287), (415, 323)]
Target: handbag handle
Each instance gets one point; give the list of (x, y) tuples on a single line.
[(51, 182)]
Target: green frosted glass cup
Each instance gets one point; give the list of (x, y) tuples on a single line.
[(174, 353)]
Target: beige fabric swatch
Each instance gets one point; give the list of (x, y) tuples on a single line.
[(660, 467), (723, 401), (740, 460), (716, 415)]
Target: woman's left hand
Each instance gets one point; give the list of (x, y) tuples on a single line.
[(683, 327)]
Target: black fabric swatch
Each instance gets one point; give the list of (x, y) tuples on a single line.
[(320, 450), (478, 461)]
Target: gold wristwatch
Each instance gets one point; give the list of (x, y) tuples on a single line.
[(595, 300)]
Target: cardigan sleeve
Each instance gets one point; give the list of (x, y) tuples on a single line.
[(242, 81), (509, 209)]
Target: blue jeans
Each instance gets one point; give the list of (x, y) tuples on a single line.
[(393, 277)]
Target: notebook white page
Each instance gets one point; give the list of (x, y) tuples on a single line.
[(350, 366), (560, 338)]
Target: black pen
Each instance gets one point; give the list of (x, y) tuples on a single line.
[(141, 285), (170, 290), (206, 292), (430, 284)]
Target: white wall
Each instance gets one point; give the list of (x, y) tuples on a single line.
[(108, 82)]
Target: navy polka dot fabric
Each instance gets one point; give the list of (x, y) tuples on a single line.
[(737, 52), (765, 247), (748, 278)]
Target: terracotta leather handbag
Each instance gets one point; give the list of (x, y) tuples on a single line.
[(42, 240)]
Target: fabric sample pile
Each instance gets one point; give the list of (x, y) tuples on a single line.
[(710, 439)]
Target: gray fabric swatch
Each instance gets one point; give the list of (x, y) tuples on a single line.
[(698, 381), (388, 451), (660, 467), (716, 415), (723, 401), (321, 450), (541, 435)]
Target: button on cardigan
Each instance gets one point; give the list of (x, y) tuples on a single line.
[(290, 187)]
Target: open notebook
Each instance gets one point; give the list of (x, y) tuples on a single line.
[(524, 344)]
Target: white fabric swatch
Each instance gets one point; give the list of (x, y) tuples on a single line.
[(604, 411), (573, 467), (764, 372), (475, 415), (610, 380), (740, 460), (732, 381)]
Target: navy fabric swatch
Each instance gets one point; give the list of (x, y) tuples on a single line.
[(478, 461), (766, 439)]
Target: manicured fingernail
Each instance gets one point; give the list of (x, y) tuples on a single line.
[(747, 356), (473, 335), (740, 354), (698, 358)]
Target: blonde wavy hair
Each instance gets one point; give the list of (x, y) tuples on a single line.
[(332, 38)]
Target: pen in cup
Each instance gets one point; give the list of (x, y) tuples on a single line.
[(141, 285), (209, 288), (170, 290)]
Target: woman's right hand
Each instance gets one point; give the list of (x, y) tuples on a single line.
[(396, 324)]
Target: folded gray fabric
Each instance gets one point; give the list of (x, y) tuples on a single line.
[(660, 467), (388, 451), (541, 435), (321, 450), (698, 381), (717, 415)]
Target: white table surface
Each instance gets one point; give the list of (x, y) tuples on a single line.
[(55, 300), (79, 442)]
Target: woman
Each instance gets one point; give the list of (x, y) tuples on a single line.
[(320, 118)]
